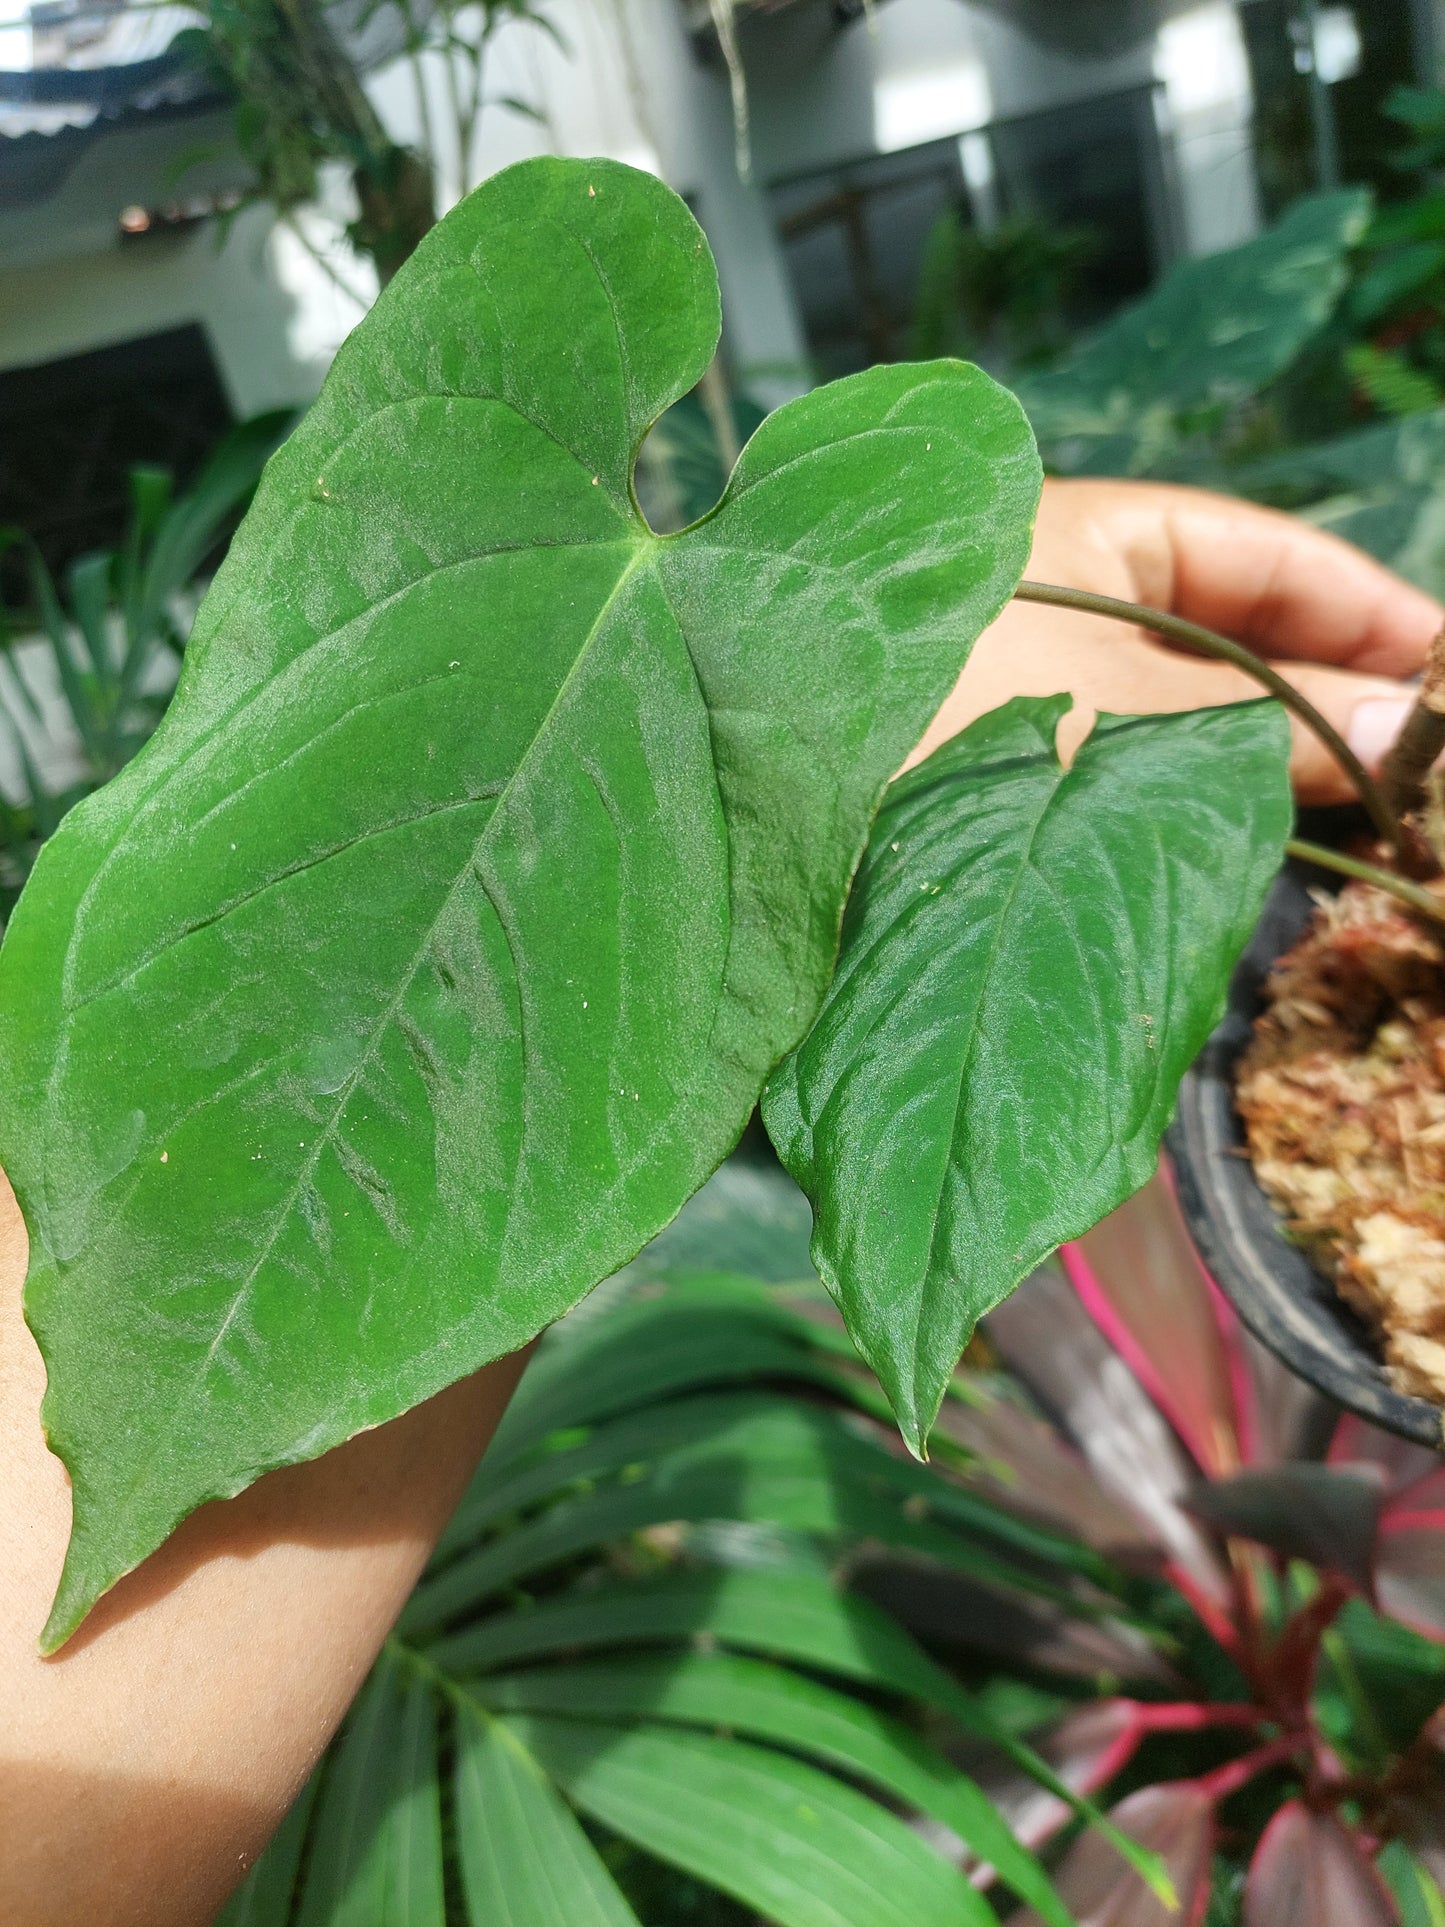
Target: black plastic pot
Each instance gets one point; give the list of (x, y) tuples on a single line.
[(1289, 1305)]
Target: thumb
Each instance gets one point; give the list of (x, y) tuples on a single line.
[(1368, 711)]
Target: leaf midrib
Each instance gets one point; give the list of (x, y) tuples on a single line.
[(928, 1283), (59, 1063), (645, 551)]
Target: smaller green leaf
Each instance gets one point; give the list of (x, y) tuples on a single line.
[(264, 1897), (1031, 958), (525, 1861), (800, 1847), (377, 1853), (762, 1701)]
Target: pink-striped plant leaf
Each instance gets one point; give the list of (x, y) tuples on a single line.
[(1401, 1462), (1138, 1275), (1176, 1820), (1086, 1749), (1049, 1341), (1289, 1419), (1024, 1465), (1309, 1871), (1410, 1558), (1325, 1514)]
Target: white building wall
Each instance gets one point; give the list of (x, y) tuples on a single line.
[(273, 316), (1206, 115), (921, 70), (630, 87)]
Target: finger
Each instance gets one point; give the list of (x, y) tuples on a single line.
[(1368, 711), (1270, 580), (1033, 652)]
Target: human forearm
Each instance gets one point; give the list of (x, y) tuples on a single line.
[(144, 1766)]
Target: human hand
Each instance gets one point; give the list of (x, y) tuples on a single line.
[(1339, 625)]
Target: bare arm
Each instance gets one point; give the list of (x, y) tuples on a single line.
[(144, 1766)]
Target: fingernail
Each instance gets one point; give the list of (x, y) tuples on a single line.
[(1374, 725)]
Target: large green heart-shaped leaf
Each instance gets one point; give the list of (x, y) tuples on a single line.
[(1030, 960), (494, 848)]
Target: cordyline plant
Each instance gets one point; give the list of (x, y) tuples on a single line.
[(1307, 1751), (493, 857), (698, 1598)]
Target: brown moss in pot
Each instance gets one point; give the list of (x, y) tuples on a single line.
[(1342, 1090)]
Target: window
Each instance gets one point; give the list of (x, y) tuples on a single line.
[(854, 236), (853, 239), (71, 430)]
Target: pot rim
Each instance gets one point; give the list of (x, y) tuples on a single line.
[(1281, 1296)]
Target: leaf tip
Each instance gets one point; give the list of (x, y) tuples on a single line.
[(1156, 1877), (913, 1433), (65, 1616), (86, 1577)]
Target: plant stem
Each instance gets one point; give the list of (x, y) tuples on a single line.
[(725, 26), (458, 113), (1191, 1716), (1228, 1779), (1422, 738), (338, 281), (1295, 1659), (423, 105), (1425, 901), (1193, 636), (717, 406)]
